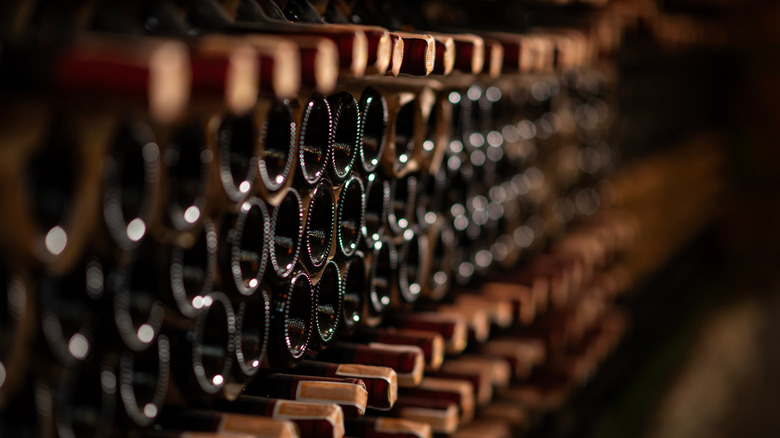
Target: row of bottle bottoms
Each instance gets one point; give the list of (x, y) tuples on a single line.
[(512, 325), (354, 245), (439, 149), (395, 252)]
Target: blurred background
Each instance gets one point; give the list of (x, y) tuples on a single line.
[(705, 356)]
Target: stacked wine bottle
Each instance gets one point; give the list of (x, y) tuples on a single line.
[(229, 222)]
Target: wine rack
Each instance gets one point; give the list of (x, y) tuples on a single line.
[(314, 218)]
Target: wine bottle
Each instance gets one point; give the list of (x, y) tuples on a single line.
[(406, 126), (476, 109), (286, 230), (381, 382), (407, 361), (437, 116), (319, 63), (478, 234), (226, 71), (55, 189), (521, 297), (550, 273), (396, 60), (192, 270), (456, 165), (419, 53), (441, 242), (252, 337), (238, 150), (348, 392), (187, 159), (413, 264), (244, 249), (280, 59), (516, 51), (403, 199), (458, 391), (350, 217), (315, 140), (499, 311), (494, 58), (142, 380), (346, 136), (385, 427), (522, 355), (466, 232), (431, 343), (430, 198), (476, 319), (156, 72), (318, 233), (440, 414), (292, 303), (355, 49), (379, 47), (67, 303), (382, 279), (452, 328), (131, 183), (373, 120), (328, 298), (138, 311), (377, 208), (469, 53), (445, 54), (226, 424), (277, 143), (479, 383), (497, 370), (355, 281), (205, 350), (312, 419)]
